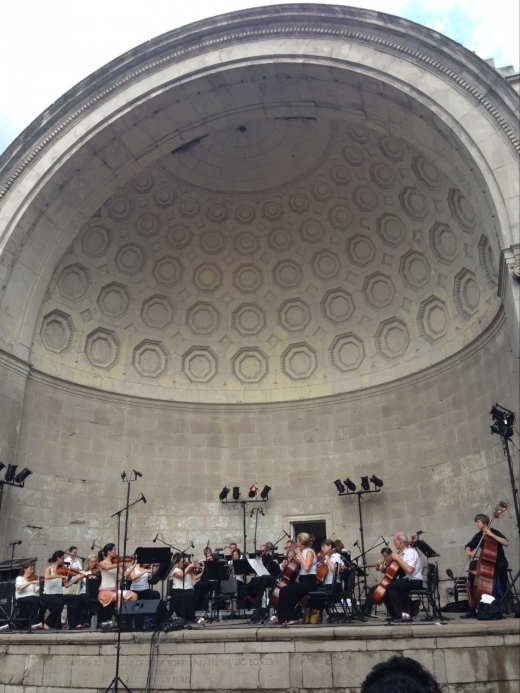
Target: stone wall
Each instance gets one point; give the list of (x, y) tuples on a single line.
[(426, 436), (466, 658)]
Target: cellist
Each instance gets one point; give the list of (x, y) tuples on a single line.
[(482, 522), (396, 595)]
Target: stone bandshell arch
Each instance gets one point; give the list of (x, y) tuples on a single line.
[(111, 126)]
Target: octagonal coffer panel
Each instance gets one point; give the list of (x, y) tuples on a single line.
[(114, 300), (102, 348), (200, 364), (74, 281), (347, 352), (337, 306), (392, 338), (203, 318), (467, 293), (294, 315), (250, 365), (248, 319), (299, 361), (157, 312), (433, 319), (150, 359), (57, 331)]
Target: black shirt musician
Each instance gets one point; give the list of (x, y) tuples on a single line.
[(482, 522)]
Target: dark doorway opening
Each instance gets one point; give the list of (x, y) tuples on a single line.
[(317, 528)]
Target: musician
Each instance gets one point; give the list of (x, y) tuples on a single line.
[(241, 595), (111, 569), (381, 565), (331, 559), (208, 554), (182, 595), (396, 595), (140, 577), (54, 584), (482, 522), (290, 595), (27, 593)]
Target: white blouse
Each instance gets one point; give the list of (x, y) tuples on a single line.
[(32, 591)]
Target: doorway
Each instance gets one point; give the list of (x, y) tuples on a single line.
[(317, 528)]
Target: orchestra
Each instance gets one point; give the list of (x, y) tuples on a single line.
[(274, 583)]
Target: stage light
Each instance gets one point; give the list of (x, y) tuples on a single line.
[(364, 483), (504, 420), (350, 484), (265, 492), (377, 482), (2, 466), (253, 491), (339, 486), (236, 492), (223, 494), (22, 476), (11, 472)]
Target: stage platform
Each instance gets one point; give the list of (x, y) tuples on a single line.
[(465, 656)]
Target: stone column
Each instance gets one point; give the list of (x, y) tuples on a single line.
[(509, 291)]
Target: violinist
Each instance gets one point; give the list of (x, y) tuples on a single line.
[(140, 576), (182, 595), (482, 521), (396, 595), (291, 594), (111, 568), (57, 576), (27, 586), (380, 565)]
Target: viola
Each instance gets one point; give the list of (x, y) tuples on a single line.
[(390, 574), (288, 576), (64, 571), (35, 578), (123, 559), (485, 576)]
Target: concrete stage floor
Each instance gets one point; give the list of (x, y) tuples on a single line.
[(465, 656)]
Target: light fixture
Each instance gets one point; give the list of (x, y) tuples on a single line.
[(253, 491), (223, 494), (265, 492), (339, 486), (364, 483), (504, 420), (350, 484), (236, 492), (11, 472), (377, 482), (22, 476)]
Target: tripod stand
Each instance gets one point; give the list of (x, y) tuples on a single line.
[(114, 684), (8, 611)]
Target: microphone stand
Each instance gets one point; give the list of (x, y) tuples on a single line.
[(8, 611), (114, 684)]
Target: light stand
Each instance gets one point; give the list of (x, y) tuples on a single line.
[(114, 684), (264, 497), (8, 611), (351, 490), (12, 478), (257, 511)]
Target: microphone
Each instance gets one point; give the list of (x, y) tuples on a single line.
[(155, 538), (418, 534), (449, 572), (192, 545), (123, 476), (356, 543), (385, 541), (137, 473), (15, 543), (142, 497)]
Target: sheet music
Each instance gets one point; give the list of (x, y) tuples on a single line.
[(258, 566)]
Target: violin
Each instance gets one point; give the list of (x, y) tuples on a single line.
[(64, 571), (123, 559), (34, 578)]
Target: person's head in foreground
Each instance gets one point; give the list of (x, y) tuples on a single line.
[(400, 675)]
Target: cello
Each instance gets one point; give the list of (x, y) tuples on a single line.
[(289, 575), (485, 575)]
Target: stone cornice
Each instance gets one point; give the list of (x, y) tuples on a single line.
[(431, 50), (496, 326)]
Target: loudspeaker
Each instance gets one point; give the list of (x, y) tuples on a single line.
[(144, 614)]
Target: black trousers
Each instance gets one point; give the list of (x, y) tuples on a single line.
[(75, 609), (182, 603), (54, 603), (256, 588), (148, 594), (290, 595), (396, 596), (33, 606)]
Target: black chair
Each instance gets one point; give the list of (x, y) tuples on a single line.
[(428, 596), (329, 597), (227, 592)]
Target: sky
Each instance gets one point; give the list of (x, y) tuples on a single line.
[(48, 46)]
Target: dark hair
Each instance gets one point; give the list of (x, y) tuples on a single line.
[(236, 551), (55, 556), (72, 548), (327, 542), (482, 518), (269, 546), (400, 675), (25, 566), (386, 550), (104, 551)]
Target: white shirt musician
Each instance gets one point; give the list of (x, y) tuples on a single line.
[(396, 595)]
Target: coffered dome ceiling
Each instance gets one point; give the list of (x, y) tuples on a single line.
[(278, 259)]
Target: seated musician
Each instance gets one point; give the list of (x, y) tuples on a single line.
[(182, 595), (381, 565), (290, 595), (331, 560), (27, 593), (396, 595), (501, 565), (57, 577), (257, 586), (140, 576), (241, 593), (111, 570)]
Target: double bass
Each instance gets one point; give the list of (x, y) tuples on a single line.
[(390, 573), (485, 575)]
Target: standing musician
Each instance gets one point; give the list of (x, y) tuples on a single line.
[(110, 570), (396, 596), (381, 565), (182, 595), (290, 595), (500, 585)]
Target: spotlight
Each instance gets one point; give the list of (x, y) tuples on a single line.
[(364, 483), (11, 471), (253, 491), (236, 492), (377, 482), (504, 420), (350, 485), (223, 494), (22, 476), (2, 465), (339, 486), (265, 492)]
